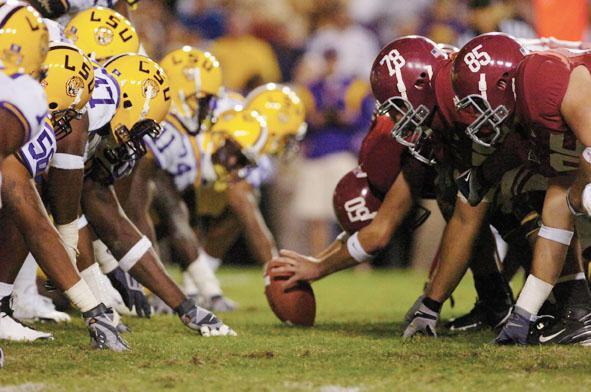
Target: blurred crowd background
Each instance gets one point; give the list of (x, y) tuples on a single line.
[(325, 49)]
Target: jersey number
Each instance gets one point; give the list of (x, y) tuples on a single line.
[(394, 61)]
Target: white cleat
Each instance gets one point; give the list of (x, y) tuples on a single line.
[(32, 306), (12, 330)]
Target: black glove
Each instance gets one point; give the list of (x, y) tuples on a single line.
[(131, 291)]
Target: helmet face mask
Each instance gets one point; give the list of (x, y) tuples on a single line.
[(131, 146), (485, 130), (61, 122), (408, 121)]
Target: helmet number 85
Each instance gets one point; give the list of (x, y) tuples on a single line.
[(475, 59)]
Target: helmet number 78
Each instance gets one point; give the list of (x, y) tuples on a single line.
[(475, 59)]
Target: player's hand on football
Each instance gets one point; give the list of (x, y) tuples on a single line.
[(132, 292), (423, 322), (298, 267)]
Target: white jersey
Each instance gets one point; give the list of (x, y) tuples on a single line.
[(38, 152), (56, 31), (101, 107), (176, 152), (24, 97)]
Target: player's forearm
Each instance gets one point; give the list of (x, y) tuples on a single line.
[(337, 260), (456, 249), (26, 209)]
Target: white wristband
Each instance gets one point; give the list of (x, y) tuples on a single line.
[(356, 250), (135, 253), (561, 236), (67, 161)]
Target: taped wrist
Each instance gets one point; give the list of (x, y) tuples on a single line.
[(135, 254), (82, 222), (586, 197), (81, 296), (69, 234), (561, 236), (104, 257), (184, 307), (67, 161), (535, 291), (343, 237), (356, 249)]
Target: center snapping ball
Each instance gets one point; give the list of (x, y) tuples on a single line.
[(296, 305)]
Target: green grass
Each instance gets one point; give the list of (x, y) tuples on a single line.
[(355, 344)]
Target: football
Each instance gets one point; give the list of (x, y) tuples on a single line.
[(296, 305)]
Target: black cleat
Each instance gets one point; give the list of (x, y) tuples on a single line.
[(573, 326), (481, 316)]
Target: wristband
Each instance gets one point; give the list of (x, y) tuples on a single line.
[(356, 250), (587, 154), (67, 161), (561, 236), (586, 199), (135, 254), (82, 222), (569, 204)]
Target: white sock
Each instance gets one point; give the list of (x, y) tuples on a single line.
[(204, 277), (92, 277), (213, 262), (104, 257), (5, 289), (27, 276), (534, 293), (81, 296)]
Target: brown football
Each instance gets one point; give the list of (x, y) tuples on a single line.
[(295, 306)]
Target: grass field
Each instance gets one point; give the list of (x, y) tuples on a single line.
[(355, 346)]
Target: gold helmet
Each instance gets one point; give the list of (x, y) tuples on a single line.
[(284, 112), (24, 39), (232, 145), (102, 33), (144, 98), (69, 83), (196, 80)]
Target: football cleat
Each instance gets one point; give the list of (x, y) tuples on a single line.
[(29, 305), (11, 329), (516, 329), (103, 334), (202, 321), (481, 316), (573, 326)]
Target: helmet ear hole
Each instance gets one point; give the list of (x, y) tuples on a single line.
[(53, 105), (502, 84)]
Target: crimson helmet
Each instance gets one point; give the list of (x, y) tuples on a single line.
[(401, 80), (354, 203), (483, 77)]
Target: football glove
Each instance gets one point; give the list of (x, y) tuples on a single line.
[(202, 321), (132, 292), (103, 334), (423, 322), (516, 330)]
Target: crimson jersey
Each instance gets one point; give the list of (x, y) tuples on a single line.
[(540, 85), (383, 158)]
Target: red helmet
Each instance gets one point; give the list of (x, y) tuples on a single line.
[(401, 82), (355, 205), (483, 76)]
